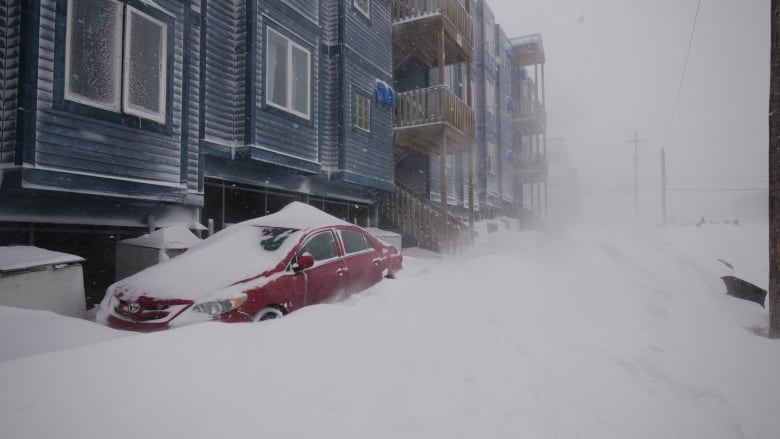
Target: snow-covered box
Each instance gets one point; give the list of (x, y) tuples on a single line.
[(391, 238), (135, 254), (35, 278)]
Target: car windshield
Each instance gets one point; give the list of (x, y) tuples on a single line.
[(273, 237)]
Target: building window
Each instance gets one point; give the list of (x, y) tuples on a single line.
[(490, 37), (492, 153), (362, 112), (363, 6), (288, 75), (116, 58), (490, 97)]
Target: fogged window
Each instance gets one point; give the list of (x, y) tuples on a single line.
[(363, 6), (362, 112), (354, 242), (492, 153), (322, 246), (95, 58), (287, 76), (94, 52), (145, 48)]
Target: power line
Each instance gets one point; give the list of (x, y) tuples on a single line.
[(685, 65)]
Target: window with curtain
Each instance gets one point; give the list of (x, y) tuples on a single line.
[(287, 75)]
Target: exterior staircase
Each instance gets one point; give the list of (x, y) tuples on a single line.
[(413, 215)]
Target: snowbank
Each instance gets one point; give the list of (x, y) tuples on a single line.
[(589, 333)]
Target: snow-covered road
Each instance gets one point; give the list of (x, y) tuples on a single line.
[(584, 334)]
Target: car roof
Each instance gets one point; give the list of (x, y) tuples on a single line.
[(296, 215)]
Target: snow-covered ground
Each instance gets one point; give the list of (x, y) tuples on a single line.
[(584, 334)]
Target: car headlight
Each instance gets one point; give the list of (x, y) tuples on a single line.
[(218, 307)]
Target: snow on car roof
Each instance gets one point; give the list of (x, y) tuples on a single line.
[(297, 215), (234, 254), (23, 257)]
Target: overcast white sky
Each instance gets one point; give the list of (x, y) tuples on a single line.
[(615, 65)]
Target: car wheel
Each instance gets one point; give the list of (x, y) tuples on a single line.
[(268, 313)]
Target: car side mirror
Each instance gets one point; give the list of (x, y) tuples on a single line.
[(305, 261)]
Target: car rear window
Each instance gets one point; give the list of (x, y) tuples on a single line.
[(354, 242)]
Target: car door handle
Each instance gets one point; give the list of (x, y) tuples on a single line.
[(376, 261), (341, 271)]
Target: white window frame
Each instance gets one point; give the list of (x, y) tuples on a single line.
[(490, 37), (490, 97), (128, 106), (365, 10), (357, 113), (492, 153), (291, 46), (121, 66), (117, 65)]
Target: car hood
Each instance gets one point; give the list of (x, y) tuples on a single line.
[(231, 256)]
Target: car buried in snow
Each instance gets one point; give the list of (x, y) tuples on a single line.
[(256, 270)]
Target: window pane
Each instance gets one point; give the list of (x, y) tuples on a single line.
[(94, 51), (362, 111), (300, 67), (145, 86), (353, 241), (363, 6), (277, 69), (321, 247)]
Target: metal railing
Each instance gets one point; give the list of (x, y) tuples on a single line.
[(433, 105), (453, 10)]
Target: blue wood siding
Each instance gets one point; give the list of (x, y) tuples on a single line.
[(81, 144), (371, 37), (10, 16), (505, 120), (280, 137), (192, 164), (485, 74), (367, 157), (330, 85), (225, 72), (306, 8), (452, 196), (366, 55), (413, 171)]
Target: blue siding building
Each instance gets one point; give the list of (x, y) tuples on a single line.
[(298, 116), (135, 114), (99, 124)]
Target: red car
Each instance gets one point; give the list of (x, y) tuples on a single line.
[(256, 270)]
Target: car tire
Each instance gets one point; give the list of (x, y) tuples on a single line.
[(269, 313)]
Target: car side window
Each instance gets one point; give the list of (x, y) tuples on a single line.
[(354, 242), (321, 246)]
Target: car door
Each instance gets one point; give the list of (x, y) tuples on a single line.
[(327, 278), (361, 260)]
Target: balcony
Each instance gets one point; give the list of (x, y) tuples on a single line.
[(418, 26), (531, 168), (530, 118), (424, 115)]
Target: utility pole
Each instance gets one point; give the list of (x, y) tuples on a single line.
[(774, 173), (663, 187), (636, 141)]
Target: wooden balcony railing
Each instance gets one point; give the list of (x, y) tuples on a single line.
[(530, 118), (406, 10), (420, 218), (431, 105)]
